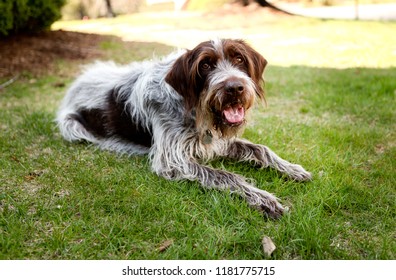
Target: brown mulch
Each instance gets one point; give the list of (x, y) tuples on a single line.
[(37, 53)]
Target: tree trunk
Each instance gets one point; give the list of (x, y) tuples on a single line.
[(264, 3), (110, 12)]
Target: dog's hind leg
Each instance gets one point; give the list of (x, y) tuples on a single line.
[(72, 129)]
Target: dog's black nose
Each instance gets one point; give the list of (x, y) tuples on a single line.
[(234, 87)]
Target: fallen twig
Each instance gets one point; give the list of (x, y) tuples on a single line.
[(9, 82)]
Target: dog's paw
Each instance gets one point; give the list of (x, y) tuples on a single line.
[(272, 208), (298, 173), (264, 201), (274, 211)]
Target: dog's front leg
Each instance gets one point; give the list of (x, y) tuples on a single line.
[(222, 180), (175, 156), (263, 156)]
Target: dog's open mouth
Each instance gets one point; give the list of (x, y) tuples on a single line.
[(233, 114)]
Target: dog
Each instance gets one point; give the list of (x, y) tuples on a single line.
[(182, 110)]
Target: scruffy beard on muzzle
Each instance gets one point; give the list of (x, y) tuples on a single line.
[(223, 115)]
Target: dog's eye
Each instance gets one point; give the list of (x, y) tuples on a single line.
[(238, 59), (205, 66)]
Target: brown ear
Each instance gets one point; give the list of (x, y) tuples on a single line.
[(256, 70), (180, 77)]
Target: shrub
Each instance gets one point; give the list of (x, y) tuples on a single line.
[(22, 16)]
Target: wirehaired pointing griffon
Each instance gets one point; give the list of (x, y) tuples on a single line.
[(182, 110)]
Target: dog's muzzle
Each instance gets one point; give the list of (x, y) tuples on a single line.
[(230, 110)]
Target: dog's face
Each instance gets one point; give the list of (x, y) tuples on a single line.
[(220, 80)]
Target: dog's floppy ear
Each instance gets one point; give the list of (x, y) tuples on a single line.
[(180, 77), (256, 70)]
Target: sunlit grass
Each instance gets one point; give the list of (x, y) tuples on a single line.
[(283, 40)]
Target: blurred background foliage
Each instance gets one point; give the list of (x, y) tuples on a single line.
[(21, 16), (79, 9)]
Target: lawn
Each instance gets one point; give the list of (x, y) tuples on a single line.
[(331, 92)]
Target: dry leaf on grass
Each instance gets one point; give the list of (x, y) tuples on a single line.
[(165, 245), (268, 246)]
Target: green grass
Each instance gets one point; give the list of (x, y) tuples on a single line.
[(71, 201)]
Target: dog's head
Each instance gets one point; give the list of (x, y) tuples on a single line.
[(220, 81)]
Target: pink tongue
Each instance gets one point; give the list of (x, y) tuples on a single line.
[(234, 114)]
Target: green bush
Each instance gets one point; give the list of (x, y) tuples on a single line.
[(22, 16)]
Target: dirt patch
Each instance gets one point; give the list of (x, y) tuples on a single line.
[(37, 53)]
